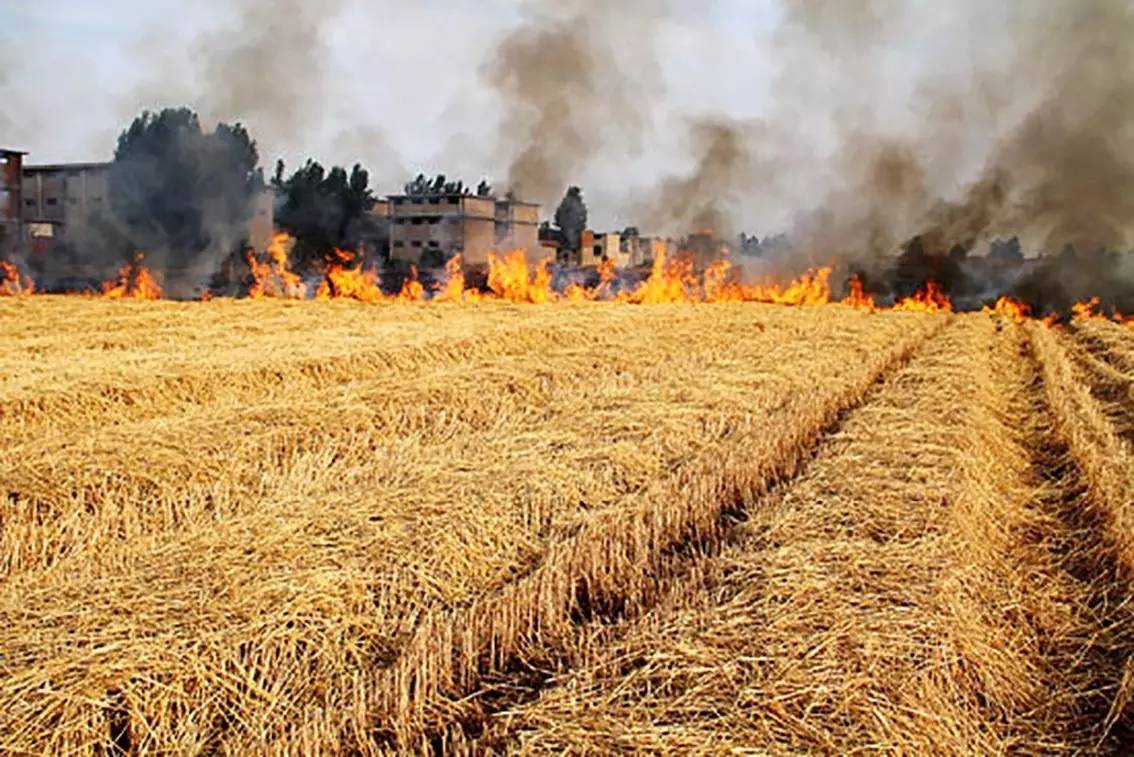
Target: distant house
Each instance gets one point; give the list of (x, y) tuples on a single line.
[(428, 229), (62, 195)]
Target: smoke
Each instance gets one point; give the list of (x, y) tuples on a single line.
[(574, 85), (268, 68)]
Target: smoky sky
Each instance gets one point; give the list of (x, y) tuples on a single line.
[(850, 124)]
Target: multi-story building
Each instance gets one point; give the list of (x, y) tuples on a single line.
[(11, 203), (429, 229), (594, 248), (62, 195)]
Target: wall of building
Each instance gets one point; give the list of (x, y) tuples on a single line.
[(11, 203), (594, 248), (467, 224), (64, 195)]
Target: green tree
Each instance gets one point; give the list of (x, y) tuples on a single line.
[(178, 191), (571, 217), (324, 210)]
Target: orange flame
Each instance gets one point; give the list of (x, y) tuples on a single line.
[(271, 277), (412, 290), (134, 282), (1010, 308), (345, 279), (1086, 311), (929, 299), (672, 282), (857, 296), (452, 288), (11, 282), (509, 279)]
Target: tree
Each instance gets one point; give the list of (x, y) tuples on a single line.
[(325, 210), (178, 191), (1006, 252), (571, 217)]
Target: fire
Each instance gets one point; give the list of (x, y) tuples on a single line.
[(1086, 311), (929, 299), (452, 289), (272, 277), (672, 282), (812, 288), (412, 290), (11, 282), (718, 285), (134, 282), (857, 296), (1010, 308), (345, 279), (509, 279)]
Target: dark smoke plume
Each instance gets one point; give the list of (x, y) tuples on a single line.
[(268, 69), (574, 85)]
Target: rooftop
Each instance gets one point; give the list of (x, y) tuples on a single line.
[(66, 166)]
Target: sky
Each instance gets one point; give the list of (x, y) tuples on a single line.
[(798, 115), (401, 87)]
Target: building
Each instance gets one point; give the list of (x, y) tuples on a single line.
[(11, 201), (429, 229), (62, 195), (595, 248)]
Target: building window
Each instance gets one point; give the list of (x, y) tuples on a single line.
[(598, 250), (434, 243), (399, 200), (416, 244), (399, 244), (73, 200), (434, 200), (454, 201), (52, 201), (30, 202), (98, 201), (418, 221)]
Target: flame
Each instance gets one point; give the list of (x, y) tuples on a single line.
[(1010, 308), (11, 282), (509, 279), (345, 279), (271, 277), (812, 288), (452, 288), (857, 296), (134, 282), (929, 299), (667, 282), (718, 286), (1086, 311), (412, 290)]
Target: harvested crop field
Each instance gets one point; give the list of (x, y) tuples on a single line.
[(326, 527)]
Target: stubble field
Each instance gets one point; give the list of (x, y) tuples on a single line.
[(322, 527)]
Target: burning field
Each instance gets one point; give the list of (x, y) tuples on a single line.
[(623, 521)]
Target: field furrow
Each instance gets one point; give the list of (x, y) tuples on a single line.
[(1095, 435), (340, 567), (916, 589)]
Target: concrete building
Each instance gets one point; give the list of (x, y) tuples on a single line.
[(11, 200), (62, 195), (429, 229), (594, 248)]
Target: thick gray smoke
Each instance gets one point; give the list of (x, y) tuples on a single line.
[(268, 69), (575, 83), (1052, 93)]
